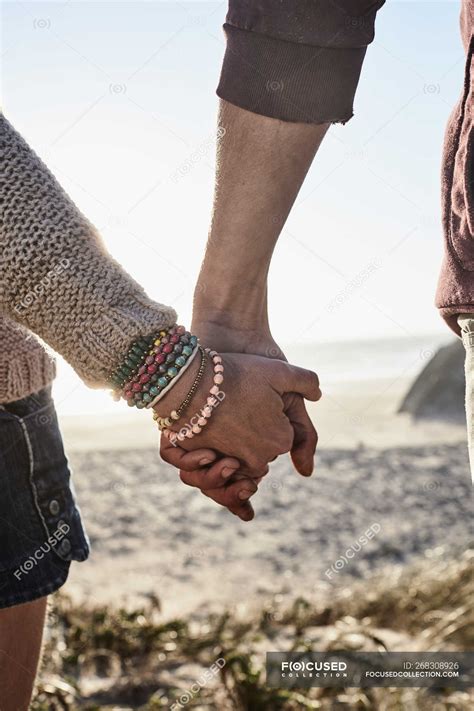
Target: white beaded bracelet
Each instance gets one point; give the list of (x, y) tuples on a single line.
[(205, 413)]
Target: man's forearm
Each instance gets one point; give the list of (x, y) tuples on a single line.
[(290, 68), (261, 165)]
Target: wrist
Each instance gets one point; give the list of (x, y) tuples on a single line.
[(232, 296), (241, 305), (193, 413), (219, 330)]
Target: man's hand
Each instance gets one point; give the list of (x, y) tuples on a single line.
[(261, 164), (249, 425), (257, 340)]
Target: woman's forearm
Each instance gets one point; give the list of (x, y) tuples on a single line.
[(56, 277)]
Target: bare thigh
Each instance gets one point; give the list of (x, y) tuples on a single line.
[(21, 634)]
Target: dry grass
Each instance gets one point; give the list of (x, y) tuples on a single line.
[(98, 658)]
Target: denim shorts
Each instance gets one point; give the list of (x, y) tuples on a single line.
[(40, 525)]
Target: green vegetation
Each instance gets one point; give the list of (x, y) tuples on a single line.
[(102, 659)]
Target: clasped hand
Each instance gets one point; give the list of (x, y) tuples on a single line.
[(261, 416)]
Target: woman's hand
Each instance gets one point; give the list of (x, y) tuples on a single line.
[(216, 478), (249, 425)]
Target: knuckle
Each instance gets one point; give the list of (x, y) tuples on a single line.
[(166, 456), (313, 437), (256, 465), (214, 495), (184, 476), (313, 379), (285, 442), (186, 462), (214, 481)]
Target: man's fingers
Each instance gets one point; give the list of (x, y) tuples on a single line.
[(181, 459), (305, 435), (300, 380)]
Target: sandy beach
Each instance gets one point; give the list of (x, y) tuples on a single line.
[(386, 491)]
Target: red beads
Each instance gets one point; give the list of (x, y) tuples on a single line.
[(147, 357)]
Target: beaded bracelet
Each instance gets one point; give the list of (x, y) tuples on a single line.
[(161, 357), (152, 364), (149, 388), (175, 415), (205, 414), (134, 359), (131, 361), (173, 380)]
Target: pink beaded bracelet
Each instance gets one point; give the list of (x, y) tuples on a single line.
[(204, 415)]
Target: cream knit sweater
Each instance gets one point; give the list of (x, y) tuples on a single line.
[(57, 281)]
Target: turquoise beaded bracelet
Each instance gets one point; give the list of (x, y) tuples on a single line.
[(151, 364)]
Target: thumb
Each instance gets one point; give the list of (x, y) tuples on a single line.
[(305, 436), (299, 380)]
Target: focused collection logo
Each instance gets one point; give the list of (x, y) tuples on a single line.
[(338, 668), (310, 669)]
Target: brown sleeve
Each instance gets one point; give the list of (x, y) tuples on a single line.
[(296, 60)]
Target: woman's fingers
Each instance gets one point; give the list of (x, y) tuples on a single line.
[(212, 477), (233, 494), (190, 461), (235, 497), (221, 482)]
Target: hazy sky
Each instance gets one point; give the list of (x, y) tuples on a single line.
[(119, 99)]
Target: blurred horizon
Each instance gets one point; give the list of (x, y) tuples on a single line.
[(339, 364), (119, 100)]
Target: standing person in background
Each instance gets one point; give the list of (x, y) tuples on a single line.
[(455, 297)]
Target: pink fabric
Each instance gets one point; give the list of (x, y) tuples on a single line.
[(455, 294)]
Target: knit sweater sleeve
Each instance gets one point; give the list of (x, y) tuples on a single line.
[(56, 277), (296, 60)]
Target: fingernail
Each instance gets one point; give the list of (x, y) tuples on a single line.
[(204, 461), (247, 515), (227, 472), (244, 495)]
